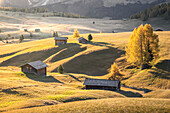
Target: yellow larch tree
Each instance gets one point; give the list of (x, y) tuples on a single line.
[(115, 73), (76, 34), (143, 46)]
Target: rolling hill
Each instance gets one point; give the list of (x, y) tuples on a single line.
[(23, 92)]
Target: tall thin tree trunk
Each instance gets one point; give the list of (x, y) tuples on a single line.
[(141, 52)]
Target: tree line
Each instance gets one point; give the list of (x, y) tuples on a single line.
[(69, 15), (25, 10), (41, 10), (162, 10)]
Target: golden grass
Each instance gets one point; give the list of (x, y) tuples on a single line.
[(18, 90), (105, 106), (161, 93), (80, 61)]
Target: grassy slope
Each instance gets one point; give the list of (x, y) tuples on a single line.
[(106, 106), (159, 75), (18, 90)]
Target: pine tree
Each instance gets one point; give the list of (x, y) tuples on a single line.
[(143, 46), (21, 38), (76, 34), (115, 73), (60, 69), (56, 34), (90, 37), (53, 34)]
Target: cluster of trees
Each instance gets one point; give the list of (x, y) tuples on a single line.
[(55, 34), (157, 10), (21, 38), (25, 10), (69, 15), (77, 35), (141, 50), (143, 46)]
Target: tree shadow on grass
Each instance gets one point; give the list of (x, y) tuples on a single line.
[(94, 63), (46, 79), (160, 73), (129, 93), (164, 65), (139, 89), (9, 91), (74, 77)]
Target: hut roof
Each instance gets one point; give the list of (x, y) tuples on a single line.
[(101, 82), (38, 64), (82, 38), (60, 38)]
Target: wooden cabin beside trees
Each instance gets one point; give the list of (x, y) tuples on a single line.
[(60, 40), (102, 84), (82, 40), (36, 67)]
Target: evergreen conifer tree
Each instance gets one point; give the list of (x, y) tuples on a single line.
[(60, 69), (90, 37)]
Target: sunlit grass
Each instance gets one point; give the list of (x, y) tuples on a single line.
[(19, 90), (106, 106)]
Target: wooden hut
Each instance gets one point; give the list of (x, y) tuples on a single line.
[(102, 84), (37, 67), (37, 30), (82, 40), (25, 30), (60, 40)]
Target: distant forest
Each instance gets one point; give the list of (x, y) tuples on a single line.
[(25, 10), (41, 10), (162, 10)]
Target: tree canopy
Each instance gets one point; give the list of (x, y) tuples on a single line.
[(76, 34), (143, 46), (115, 73)]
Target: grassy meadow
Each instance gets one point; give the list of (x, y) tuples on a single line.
[(141, 91), (144, 91)]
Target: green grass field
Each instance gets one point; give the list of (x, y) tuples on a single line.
[(23, 92)]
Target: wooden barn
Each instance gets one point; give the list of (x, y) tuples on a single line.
[(102, 84), (60, 40), (37, 67), (82, 40)]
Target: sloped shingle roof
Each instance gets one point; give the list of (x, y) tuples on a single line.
[(82, 38), (60, 38), (101, 82), (38, 64)]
